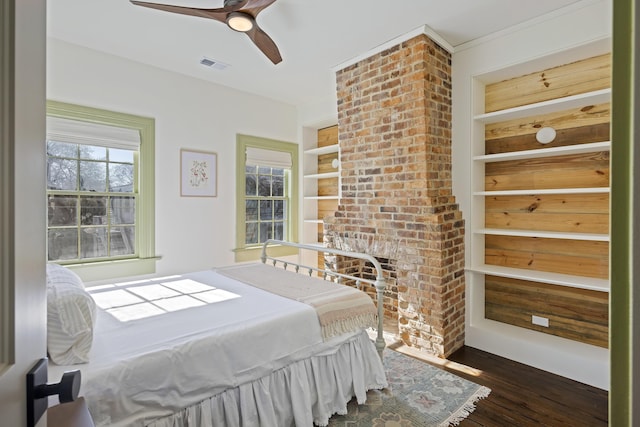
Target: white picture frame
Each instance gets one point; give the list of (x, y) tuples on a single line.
[(198, 171)]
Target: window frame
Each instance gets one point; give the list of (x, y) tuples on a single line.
[(145, 262), (251, 253)]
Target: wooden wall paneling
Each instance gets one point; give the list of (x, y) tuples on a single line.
[(327, 136), (591, 203), (571, 79), (573, 257), (564, 137), (589, 115), (326, 186), (576, 314), (324, 163), (587, 170), (569, 213)]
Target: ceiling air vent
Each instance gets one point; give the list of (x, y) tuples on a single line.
[(212, 63)]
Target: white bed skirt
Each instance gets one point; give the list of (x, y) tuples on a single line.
[(304, 393)]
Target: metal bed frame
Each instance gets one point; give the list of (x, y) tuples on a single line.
[(379, 282)]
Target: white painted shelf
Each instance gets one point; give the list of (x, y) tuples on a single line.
[(321, 197), (544, 234), (580, 282), (592, 147), (322, 150), (313, 221), (324, 175), (545, 107), (586, 190)]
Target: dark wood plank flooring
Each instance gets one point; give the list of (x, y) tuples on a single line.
[(522, 395)]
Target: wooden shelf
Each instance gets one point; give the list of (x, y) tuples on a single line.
[(544, 234), (325, 175), (589, 190), (322, 150), (592, 147), (580, 282), (538, 108)]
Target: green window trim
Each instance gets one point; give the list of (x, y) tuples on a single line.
[(250, 253), (145, 213)]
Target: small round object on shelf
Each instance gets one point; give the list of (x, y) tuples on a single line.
[(546, 135)]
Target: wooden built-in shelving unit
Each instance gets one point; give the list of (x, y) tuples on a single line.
[(326, 177), (540, 240)]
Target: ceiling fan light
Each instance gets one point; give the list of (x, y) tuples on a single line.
[(240, 22)]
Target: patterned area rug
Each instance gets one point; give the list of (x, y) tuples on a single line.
[(419, 395)]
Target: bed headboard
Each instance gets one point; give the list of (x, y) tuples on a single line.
[(379, 282)]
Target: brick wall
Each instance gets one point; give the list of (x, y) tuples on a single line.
[(394, 125)]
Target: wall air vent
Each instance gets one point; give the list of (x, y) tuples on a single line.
[(212, 63)]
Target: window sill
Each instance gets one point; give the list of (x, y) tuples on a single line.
[(253, 253), (94, 271)]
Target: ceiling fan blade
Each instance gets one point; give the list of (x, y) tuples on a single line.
[(253, 7), (216, 14), (265, 44)]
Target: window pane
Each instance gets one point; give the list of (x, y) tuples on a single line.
[(93, 242), (123, 210), (62, 149), (61, 210), (278, 186), (250, 185), (278, 212), (251, 210), (266, 210), (93, 210), (93, 176), (122, 156), (120, 178), (264, 171), (62, 244), (279, 231), (266, 232), (277, 172), (251, 233), (122, 241), (264, 185), (93, 153), (250, 169), (62, 174)]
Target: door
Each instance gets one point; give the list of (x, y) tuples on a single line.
[(22, 201)]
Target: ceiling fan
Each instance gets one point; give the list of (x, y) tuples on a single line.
[(239, 15)]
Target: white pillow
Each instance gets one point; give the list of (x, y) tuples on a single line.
[(71, 314)]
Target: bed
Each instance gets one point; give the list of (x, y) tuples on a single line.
[(231, 346)]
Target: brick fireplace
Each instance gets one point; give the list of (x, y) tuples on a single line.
[(394, 125)]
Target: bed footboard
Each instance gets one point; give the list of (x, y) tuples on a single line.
[(379, 282)]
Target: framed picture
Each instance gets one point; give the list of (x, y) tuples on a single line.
[(198, 170)]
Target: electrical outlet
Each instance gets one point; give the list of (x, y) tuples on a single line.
[(540, 321)]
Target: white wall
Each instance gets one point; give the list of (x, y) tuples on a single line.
[(573, 33), (192, 233)]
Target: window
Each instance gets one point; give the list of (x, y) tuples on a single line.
[(100, 201), (91, 201), (267, 194)]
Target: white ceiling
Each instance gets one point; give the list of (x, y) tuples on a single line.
[(313, 36)]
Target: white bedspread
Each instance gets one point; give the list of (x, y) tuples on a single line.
[(151, 367)]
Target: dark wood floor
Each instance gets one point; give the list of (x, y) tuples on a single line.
[(525, 396)]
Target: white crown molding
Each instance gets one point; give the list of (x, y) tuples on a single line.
[(424, 29)]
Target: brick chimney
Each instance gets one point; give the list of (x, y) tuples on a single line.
[(394, 125)]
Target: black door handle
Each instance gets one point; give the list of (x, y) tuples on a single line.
[(38, 390)]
